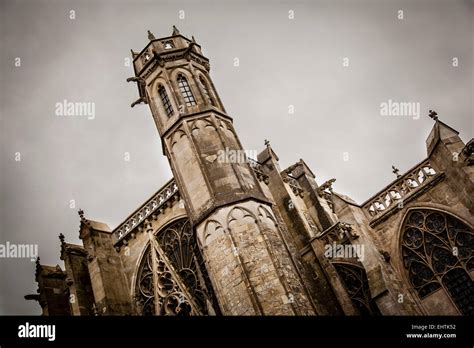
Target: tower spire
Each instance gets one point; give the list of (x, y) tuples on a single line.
[(216, 192)]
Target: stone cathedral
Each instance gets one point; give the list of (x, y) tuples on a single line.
[(244, 237)]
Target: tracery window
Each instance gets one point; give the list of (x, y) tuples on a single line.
[(172, 279), (438, 253), (165, 100), (205, 88), (356, 284), (186, 91)]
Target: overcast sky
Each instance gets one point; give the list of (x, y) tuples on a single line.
[(283, 62)]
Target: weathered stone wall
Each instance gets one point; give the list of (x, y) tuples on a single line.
[(248, 263), (384, 287), (106, 272), (81, 297), (53, 296), (290, 206)]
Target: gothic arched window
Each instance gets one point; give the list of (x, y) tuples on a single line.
[(438, 253), (172, 279), (356, 284), (186, 91), (205, 88), (165, 100)]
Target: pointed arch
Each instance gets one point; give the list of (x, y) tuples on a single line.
[(354, 280), (176, 136), (200, 124), (208, 94), (172, 279), (245, 213), (211, 230), (265, 214)]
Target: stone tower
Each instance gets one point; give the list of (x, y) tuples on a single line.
[(243, 242)]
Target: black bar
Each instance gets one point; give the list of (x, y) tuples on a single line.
[(289, 331)]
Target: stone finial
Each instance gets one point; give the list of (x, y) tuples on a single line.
[(61, 238), (175, 31), (83, 219), (151, 36), (267, 143), (433, 114), (193, 39), (37, 268), (395, 171)]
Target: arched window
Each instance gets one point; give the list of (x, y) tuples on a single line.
[(207, 93), (438, 253), (165, 101), (356, 284), (186, 91), (172, 279)]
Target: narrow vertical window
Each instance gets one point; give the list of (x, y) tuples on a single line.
[(165, 100), (185, 91), (206, 90)]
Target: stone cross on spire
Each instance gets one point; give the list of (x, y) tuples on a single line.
[(395, 171), (267, 142)]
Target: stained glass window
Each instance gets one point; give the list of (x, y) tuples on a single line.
[(438, 253), (172, 279)]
